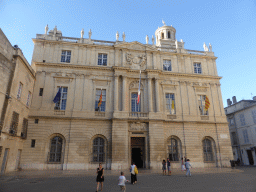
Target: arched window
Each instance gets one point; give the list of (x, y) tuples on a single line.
[(169, 34), (173, 149), (208, 150), (56, 149), (98, 149), (162, 35)]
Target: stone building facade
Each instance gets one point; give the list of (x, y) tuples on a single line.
[(16, 89), (169, 121), (242, 126)]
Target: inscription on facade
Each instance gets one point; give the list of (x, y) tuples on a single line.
[(138, 127)]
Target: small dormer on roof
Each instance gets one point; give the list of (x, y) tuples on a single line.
[(166, 37)]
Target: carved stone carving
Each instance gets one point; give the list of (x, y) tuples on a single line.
[(137, 60), (62, 81), (138, 126), (199, 89), (168, 82), (135, 84)]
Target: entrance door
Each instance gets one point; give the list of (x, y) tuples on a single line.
[(6, 152), (138, 151), (249, 153)]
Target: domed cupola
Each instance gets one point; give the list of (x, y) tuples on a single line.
[(165, 36)]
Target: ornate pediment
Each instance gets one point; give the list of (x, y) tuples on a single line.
[(136, 59), (138, 126)]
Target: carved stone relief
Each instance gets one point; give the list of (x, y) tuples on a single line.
[(135, 84), (60, 80), (199, 89), (136, 59), (138, 126)]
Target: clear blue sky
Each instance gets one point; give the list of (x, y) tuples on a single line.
[(229, 25)]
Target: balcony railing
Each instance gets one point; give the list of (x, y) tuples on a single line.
[(138, 114)]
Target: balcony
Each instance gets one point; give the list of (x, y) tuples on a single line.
[(138, 114)]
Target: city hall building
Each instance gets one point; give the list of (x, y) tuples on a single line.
[(98, 118)]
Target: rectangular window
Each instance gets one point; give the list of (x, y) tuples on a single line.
[(234, 138), (167, 66), (135, 106), (1, 149), (201, 104), (102, 59), (24, 128), (28, 100), (100, 107), (33, 143), (66, 56), (197, 68), (231, 121), (242, 119), (245, 134), (14, 123), (36, 121), (170, 103), (61, 105), (19, 91), (254, 116), (41, 91)]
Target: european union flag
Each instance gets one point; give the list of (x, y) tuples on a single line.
[(57, 97)]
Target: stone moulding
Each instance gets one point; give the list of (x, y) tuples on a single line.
[(138, 126)]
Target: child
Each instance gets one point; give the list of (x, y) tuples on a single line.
[(188, 166), (122, 181)]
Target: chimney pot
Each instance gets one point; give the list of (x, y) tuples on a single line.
[(234, 99)]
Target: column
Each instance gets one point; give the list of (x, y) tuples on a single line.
[(124, 94), (149, 96), (116, 94), (157, 95)]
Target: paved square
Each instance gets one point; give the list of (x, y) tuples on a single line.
[(226, 179)]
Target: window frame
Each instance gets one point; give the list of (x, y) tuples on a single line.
[(24, 128), (98, 150), (102, 108), (101, 59), (171, 147), (206, 152), (167, 62), (242, 119), (28, 99), (65, 57), (137, 107), (201, 106), (54, 155), (59, 105), (246, 137), (254, 116), (168, 105), (19, 90), (14, 123), (197, 68), (234, 138)]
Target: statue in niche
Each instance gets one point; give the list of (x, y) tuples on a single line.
[(153, 40), (46, 29), (117, 36), (147, 39), (205, 47), (123, 37), (90, 34), (210, 47), (82, 33)]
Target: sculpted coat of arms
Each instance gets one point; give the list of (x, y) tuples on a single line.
[(138, 60)]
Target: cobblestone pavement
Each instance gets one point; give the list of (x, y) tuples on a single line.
[(226, 179)]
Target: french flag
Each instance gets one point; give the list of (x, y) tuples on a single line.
[(138, 100)]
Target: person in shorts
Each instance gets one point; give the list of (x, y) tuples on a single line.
[(122, 181), (169, 166)]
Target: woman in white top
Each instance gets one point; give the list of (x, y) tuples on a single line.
[(133, 175)]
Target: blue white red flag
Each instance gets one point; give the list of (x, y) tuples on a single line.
[(57, 97)]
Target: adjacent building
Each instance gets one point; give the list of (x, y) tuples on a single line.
[(98, 117), (16, 88), (242, 126)]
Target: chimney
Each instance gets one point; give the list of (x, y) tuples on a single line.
[(254, 98), (234, 99), (229, 102)]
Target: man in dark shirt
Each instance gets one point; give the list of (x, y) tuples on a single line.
[(169, 166)]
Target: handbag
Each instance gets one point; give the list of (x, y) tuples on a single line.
[(136, 170)]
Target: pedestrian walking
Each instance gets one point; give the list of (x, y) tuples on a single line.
[(182, 165), (188, 166), (100, 177), (164, 167), (133, 171), (169, 166), (122, 181)]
